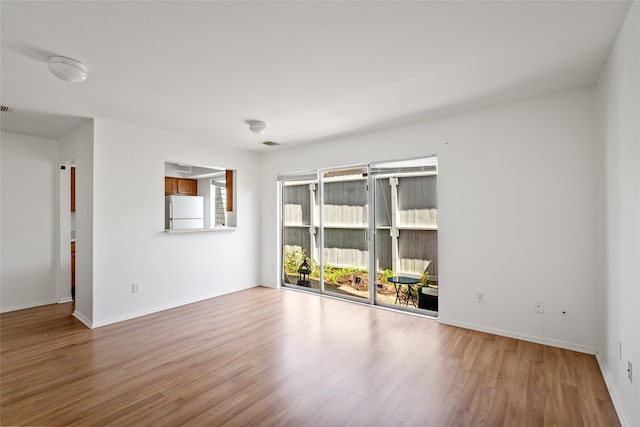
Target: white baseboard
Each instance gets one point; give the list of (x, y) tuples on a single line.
[(145, 312), (65, 300), (81, 317), (625, 421), (27, 305), (524, 337)]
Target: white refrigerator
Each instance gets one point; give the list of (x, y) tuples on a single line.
[(184, 212)]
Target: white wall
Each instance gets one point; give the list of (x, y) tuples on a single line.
[(130, 244), (29, 192), (516, 211), (77, 148), (619, 91)]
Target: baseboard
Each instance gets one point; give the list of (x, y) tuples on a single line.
[(28, 305), (145, 312), (88, 323), (65, 300), (524, 337), (625, 421)]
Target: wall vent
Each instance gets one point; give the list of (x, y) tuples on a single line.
[(270, 143), (4, 108)]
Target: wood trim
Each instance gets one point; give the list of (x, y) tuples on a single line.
[(229, 189)]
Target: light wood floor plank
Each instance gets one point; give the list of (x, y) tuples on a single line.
[(280, 357)]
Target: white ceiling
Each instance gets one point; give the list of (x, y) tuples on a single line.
[(311, 70), (46, 125)]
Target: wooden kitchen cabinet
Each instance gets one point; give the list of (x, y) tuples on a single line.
[(187, 187), (170, 185), (73, 189), (182, 186)]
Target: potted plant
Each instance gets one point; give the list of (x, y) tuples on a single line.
[(427, 295)]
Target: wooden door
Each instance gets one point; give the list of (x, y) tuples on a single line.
[(73, 269), (73, 189)]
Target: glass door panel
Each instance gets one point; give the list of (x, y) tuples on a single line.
[(345, 223), (386, 251), (300, 255), (406, 240)]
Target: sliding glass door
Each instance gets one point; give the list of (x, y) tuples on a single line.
[(367, 233), (345, 230)]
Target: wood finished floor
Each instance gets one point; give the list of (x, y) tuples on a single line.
[(280, 357)]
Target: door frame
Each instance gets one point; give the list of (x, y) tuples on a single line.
[(64, 234)]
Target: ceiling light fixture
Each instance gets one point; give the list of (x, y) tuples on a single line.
[(68, 69), (257, 126)]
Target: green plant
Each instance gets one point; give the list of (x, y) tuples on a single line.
[(315, 270), (293, 258), (424, 279), (332, 274), (386, 274)]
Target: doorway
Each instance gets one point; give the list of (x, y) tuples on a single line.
[(67, 226)]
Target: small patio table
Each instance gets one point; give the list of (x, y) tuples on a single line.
[(398, 281)]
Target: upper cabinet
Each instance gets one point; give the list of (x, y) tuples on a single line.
[(170, 185), (188, 187), (182, 186)]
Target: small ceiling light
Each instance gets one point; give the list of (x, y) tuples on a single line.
[(67, 69), (256, 126)]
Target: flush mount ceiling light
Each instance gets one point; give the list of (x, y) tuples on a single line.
[(67, 69), (256, 126)]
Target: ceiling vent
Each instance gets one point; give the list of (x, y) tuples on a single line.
[(269, 143), (4, 108), (183, 168)]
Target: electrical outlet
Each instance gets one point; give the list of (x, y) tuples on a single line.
[(630, 372), (480, 298), (135, 288), (539, 307)]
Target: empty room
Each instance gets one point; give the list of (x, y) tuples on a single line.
[(320, 213)]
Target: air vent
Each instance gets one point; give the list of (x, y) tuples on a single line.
[(4, 108), (270, 143), (183, 168)]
